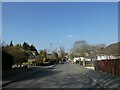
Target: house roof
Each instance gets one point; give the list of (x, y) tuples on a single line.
[(112, 49), (92, 55)]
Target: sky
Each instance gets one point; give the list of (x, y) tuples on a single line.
[(60, 23)]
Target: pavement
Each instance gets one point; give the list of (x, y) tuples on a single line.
[(103, 79), (18, 75)]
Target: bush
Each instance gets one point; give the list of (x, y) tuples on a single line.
[(39, 63), (7, 60), (19, 55), (52, 62), (77, 62)]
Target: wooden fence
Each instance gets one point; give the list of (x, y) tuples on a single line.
[(111, 66)]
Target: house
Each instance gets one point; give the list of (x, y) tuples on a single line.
[(31, 61), (102, 57), (78, 58), (66, 55), (110, 52), (92, 56), (88, 59), (34, 53), (75, 59), (31, 58)]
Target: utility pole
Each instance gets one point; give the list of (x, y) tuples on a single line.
[(51, 47)]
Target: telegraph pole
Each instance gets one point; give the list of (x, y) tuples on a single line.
[(51, 47)]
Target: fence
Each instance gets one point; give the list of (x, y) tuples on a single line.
[(111, 66)]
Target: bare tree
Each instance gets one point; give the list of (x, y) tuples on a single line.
[(61, 52), (79, 48), (82, 48)]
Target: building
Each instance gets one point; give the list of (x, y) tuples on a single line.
[(78, 58), (34, 53), (110, 52)]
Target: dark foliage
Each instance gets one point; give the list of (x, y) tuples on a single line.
[(11, 44), (26, 46), (7, 60)]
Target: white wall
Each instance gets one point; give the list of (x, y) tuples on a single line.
[(75, 59), (78, 58), (87, 59), (103, 57)]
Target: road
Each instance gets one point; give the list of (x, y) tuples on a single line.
[(61, 76)]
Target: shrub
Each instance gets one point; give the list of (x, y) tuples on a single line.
[(7, 60)]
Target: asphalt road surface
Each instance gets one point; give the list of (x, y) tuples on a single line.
[(61, 76)]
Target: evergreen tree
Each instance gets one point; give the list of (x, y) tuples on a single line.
[(32, 48), (26, 46), (11, 44)]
